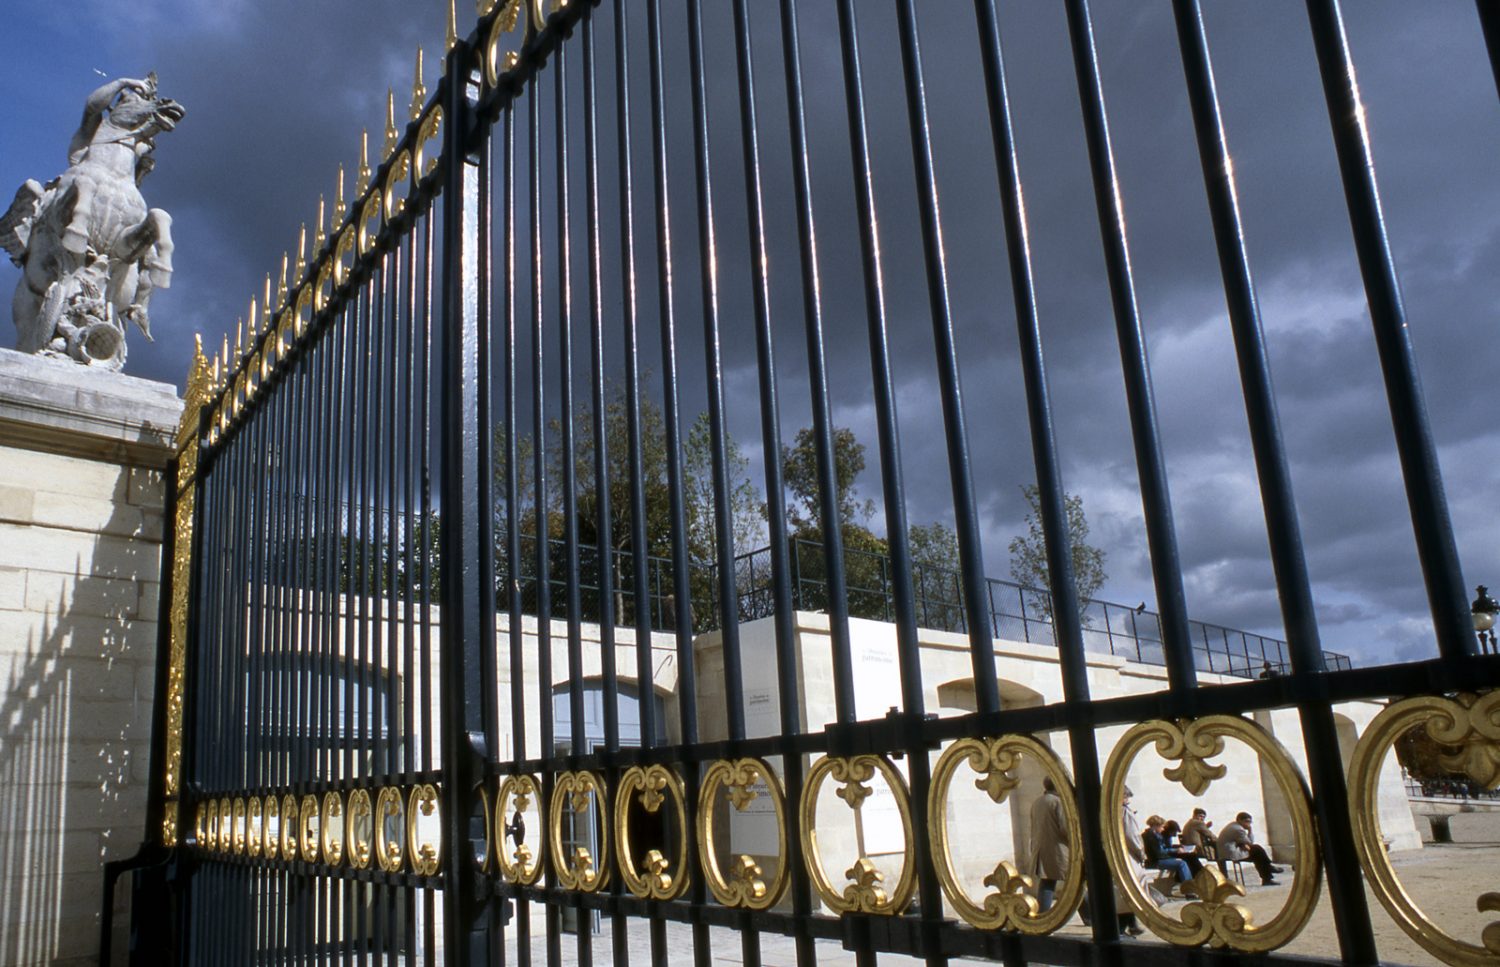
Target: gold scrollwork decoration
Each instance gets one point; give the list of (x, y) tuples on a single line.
[(521, 864), (323, 287), (1471, 723), (344, 254), (744, 781), (226, 825), (501, 57), (237, 827), (995, 761), (308, 830), (289, 827), (539, 13), (395, 179), (253, 830), (270, 827), (333, 828), (657, 877), (1213, 917), (424, 162), (369, 215), (200, 823), (390, 829), (579, 871), (865, 892), (209, 840), (359, 829), (426, 854)]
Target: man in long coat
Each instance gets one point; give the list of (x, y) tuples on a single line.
[(1049, 843)]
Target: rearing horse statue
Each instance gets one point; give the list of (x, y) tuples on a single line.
[(90, 251)]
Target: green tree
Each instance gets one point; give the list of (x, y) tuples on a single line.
[(799, 469), (744, 510), (1028, 553), (935, 576)]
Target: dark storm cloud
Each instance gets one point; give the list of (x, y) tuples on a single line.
[(278, 92)]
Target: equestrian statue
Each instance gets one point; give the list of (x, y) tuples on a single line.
[(90, 251)]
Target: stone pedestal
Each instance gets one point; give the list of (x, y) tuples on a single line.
[(81, 491)]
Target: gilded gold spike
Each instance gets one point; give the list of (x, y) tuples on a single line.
[(250, 327), (452, 26), (339, 208), (280, 285), (362, 179), (390, 122), (320, 236), (224, 353), (300, 269), (418, 90), (239, 340)]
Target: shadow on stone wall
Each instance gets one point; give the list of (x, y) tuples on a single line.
[(75, 729)]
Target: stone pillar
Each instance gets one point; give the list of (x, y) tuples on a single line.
[(81, 489)]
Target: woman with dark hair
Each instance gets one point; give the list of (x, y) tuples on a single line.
[(1157, 857), (1170, 843)]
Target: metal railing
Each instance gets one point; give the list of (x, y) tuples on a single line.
[(1016, 612)]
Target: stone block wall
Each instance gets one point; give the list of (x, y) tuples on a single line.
[(81, 493)]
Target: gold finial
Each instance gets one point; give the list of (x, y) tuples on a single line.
[(280, 285), (452, 26), (239, 340), (362, 178), (338, 203), (390, 122), (250, 329), (213, 382), (418, 90), (319, 237), (224, 353), (300, 269)]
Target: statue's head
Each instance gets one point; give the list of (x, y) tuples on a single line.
[(146, 112)]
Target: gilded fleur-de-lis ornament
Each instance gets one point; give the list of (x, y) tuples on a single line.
[(1192, 749), (742, 795), (745, 870), (864, 889)]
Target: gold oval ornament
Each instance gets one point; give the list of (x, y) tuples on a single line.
[(254, 840), (210, 838), (333, 828), (390, 829), (426, 851), (360, 829), (579, 871), (1213, 917), (226, 825), (865, 892), (657, 877), (1470, 723), (521, 864), (237, 827), (289, 828), (270, 827), (311, 840), (745, 885), (1010, 907)]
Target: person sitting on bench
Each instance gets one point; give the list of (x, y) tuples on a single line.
[(1157, 857)]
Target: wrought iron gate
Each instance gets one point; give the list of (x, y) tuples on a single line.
[(361, 758)]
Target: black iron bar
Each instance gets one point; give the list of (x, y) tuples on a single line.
[(539, 497), (468, 937), (723, 525), (572, 599), (515, 631), (966, 520), (1161, 534), (373, 752), (1068, 626), (1428, 504), (1294, 586), (1489, 24)]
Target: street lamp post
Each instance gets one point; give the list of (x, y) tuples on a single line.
[(1485, 609)]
